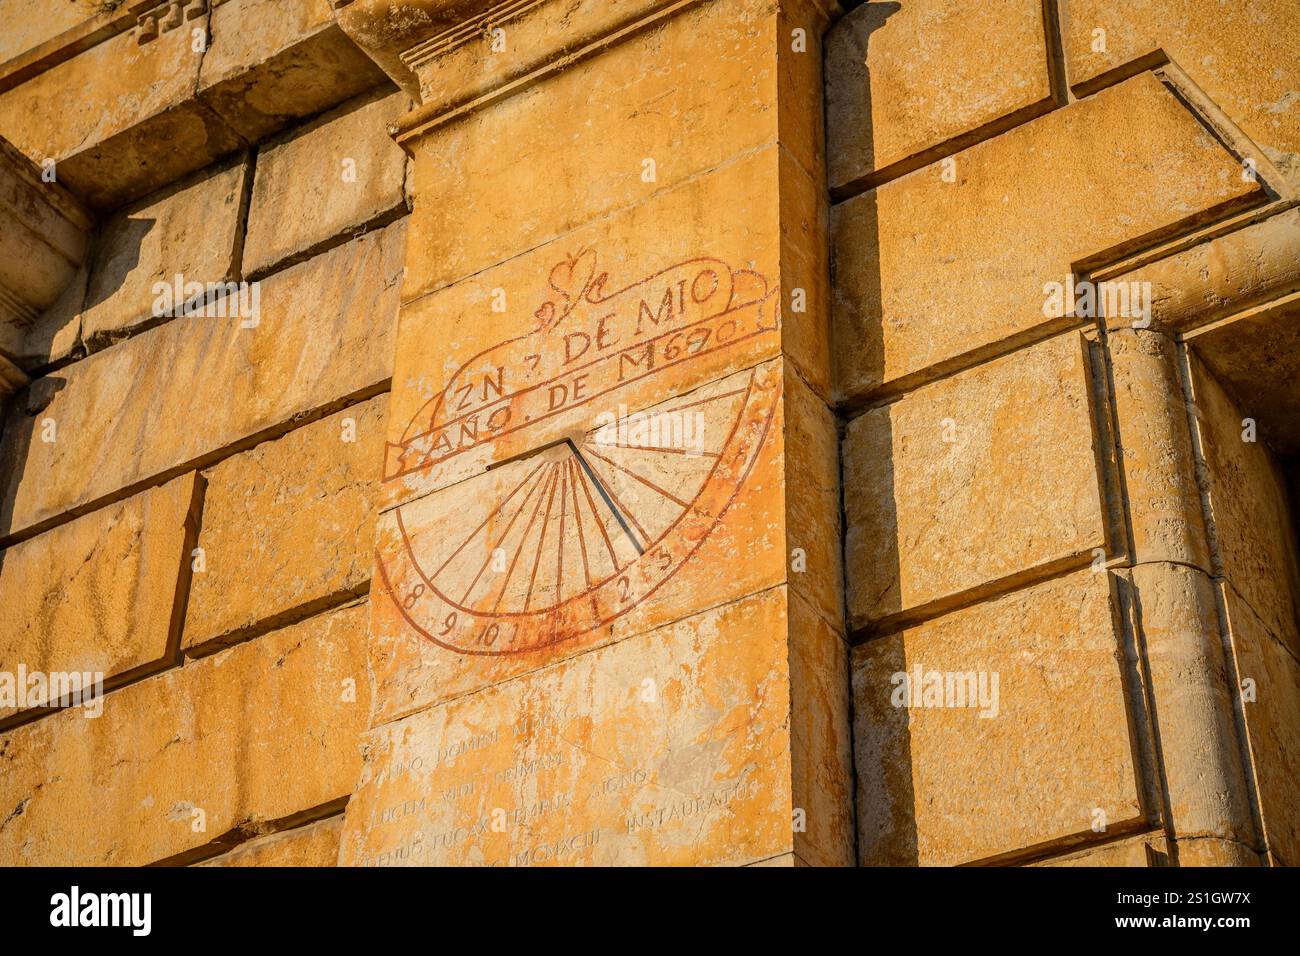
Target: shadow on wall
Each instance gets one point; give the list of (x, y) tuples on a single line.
[(22, 424), (882, 740)]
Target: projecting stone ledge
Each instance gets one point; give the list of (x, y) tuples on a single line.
[(43, 240)]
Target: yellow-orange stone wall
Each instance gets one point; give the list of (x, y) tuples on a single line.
[(377, 572)]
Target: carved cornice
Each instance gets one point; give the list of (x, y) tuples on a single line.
[(44, 235), (454, 55), (459, 71), (385, 29), (168, 16)]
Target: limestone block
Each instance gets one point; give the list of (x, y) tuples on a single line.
[(178, 394), (672, 748), (939, 784), (254, 734), (1241, 54), (29, 23), (902, 78), (340, 174), (930, 273), (316, 844), (1146, 850), (620, 312), (580, 144), (1249, 508), (272, 61), (120, 118), (1164, 500), (191, 229), (100, 594), (814, 530), (296, 516), (1200, 756), (459, 59), (978, 477), (44, 233), (584, 542), (1271, 704), (1247, 266)]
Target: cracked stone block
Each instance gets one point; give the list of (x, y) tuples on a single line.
[(120, 119), (274, 61), (336, 176), (316, 844), (29, 23)]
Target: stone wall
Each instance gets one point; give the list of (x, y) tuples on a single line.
[(1066, 498), (190, 499), (645, 432)]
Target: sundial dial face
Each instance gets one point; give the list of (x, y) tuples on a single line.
[(594, 490)]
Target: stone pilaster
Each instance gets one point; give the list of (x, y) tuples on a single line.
[(607, 621)]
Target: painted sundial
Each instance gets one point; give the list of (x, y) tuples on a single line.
[(591, 500)]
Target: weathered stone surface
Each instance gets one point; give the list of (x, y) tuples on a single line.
[(105, 114), (99, 594), (1146, 850), (296, 515), (813, 526), (337, 175), (669, 748), (177, 393), (1212, 851), (1247, 266), (638, 312), (981, 476), (158, 239), (931, 272), (254, 734), (1272, 710), (316, 844), (550, 555), (1249, 509), (29, 23), (1164, 500), (1201, 760), (1240, 54), (901, 78), (575, 146), (1053, 754), (387, 29), (272, 61)]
